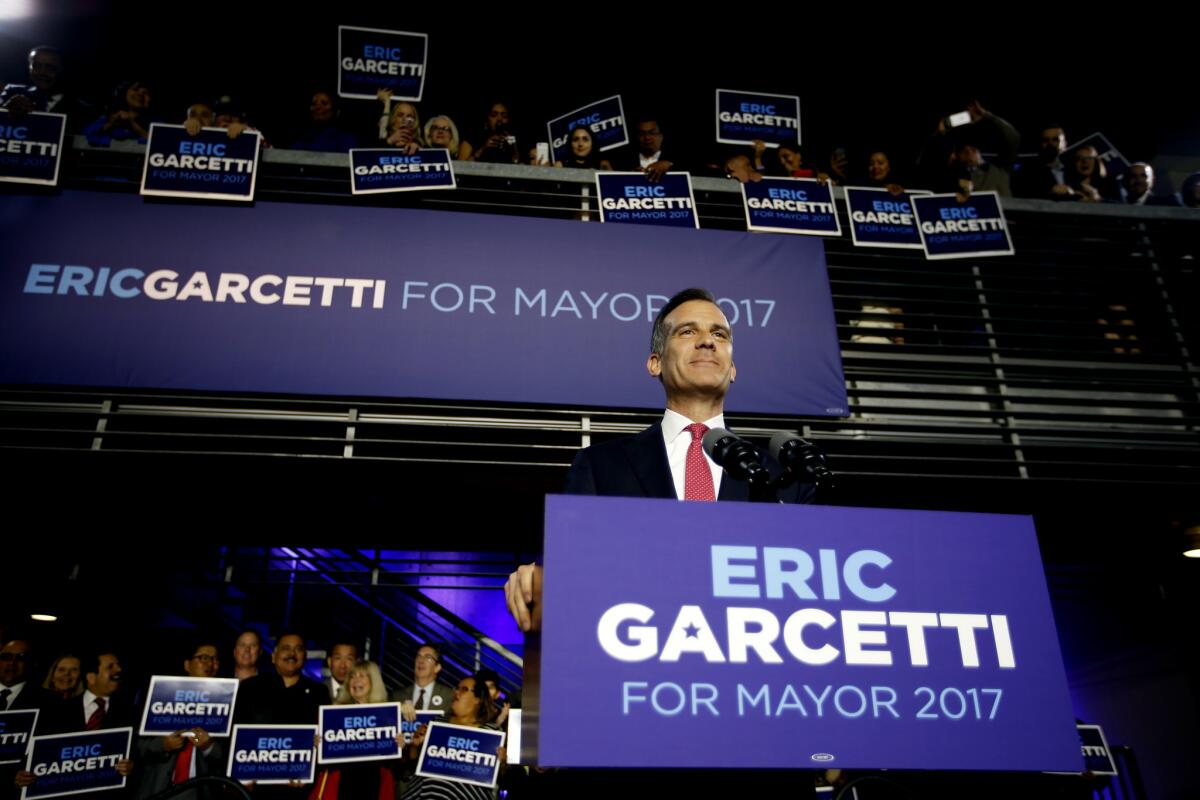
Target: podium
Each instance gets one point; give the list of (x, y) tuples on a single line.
[(742, 635)]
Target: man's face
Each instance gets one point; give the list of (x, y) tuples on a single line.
[(697, 358), (44, 69), (202, 112), (341, 660), (1054, 141), (107, 679), (13, 657), (969, 155), (203, 663), (1139, 179), (650, 138), (246, 650), (289, 656), (426, 666)]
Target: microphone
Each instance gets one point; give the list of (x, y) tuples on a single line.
[(736, 456), (800, 456)]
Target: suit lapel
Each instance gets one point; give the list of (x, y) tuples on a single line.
[(648, 460)]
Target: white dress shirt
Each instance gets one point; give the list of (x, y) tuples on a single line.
[(677, 439)]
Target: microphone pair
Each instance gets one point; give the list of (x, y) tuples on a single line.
[(800, 458)]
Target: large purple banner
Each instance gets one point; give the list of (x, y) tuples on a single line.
[(758, 635), (110, 290)]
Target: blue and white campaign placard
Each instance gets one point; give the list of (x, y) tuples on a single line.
[(460, 753), (209, 165), (953, 229), (743, 117), (630, 197), (177, 704), (423, 718), (791, 205), (1097, 757), (604, 118), (272, 753), (31, 147), (1106, 151), (796, 635), (879, 218), (74, 763), (370, 59), (16, 734), (359, 732), (379, 170)]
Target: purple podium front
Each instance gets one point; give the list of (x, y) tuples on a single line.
[(739, 635)]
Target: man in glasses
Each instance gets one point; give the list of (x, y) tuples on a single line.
[(425, 693)]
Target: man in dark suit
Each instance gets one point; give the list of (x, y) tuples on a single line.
[(169, 760), (425, 693), (691, 353), (19, 694), (98, 708)]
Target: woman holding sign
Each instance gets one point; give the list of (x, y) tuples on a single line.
[(472, 707), (370, 779), (583, 153)]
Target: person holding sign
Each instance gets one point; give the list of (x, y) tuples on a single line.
[(94, 710), (370, 779), (170, 760), (472, 707), (583, 153)]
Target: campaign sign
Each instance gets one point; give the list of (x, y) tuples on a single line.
[(272, 753), (386, 169), (30, 147), (629, 197), (743, 117), (1108, 154), (796, 635), (16, 733), (359, 732), (791, 205), (953, 229), (459, 753), (73, 763), (370, 59), (177, 704), (423, 718), (208, 165), (605, 119), (879, 218), (315, 289), (1097, 758)]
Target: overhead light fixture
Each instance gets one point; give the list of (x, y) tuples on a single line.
[(1191, 537), (44, 617), (15, 9)]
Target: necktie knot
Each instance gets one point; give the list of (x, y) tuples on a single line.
[(697, 429)]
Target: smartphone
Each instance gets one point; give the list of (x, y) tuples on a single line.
[(543, 152), (961, 118)]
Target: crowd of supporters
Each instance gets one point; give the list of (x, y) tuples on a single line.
[(980, 153), (86, 690)]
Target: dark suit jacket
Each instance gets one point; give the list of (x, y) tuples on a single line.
[(636, 466), (439, 691), (67, 716)]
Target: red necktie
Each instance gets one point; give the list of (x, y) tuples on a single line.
[(183, 764), (697, 477), (97, 718)]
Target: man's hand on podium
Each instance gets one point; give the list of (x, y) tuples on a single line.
[(524, 594)]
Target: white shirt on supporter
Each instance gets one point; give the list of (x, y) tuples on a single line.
[(677, 439), (428, 706), (646, 161), (14, 692), (90, 705)]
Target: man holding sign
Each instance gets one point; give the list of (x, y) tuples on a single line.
[(185, 754)]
